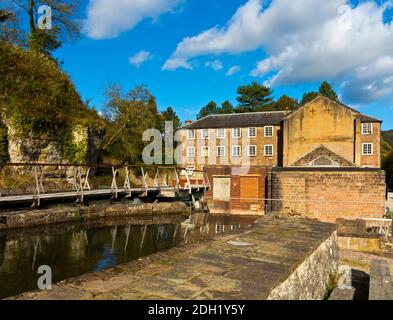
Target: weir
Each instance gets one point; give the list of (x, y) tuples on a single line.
[(48, 183)]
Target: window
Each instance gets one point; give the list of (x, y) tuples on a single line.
[(236, 133), (220, 151), (205, 133), (367, 128), (252, 151), (268, 150), (205, 151), (236, 151), (367, 149), (220, 133), (191, 134), (252, 132), (269, 131), (191, 152)]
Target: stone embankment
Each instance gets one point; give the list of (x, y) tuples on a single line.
[(34, 218), (275, 259)]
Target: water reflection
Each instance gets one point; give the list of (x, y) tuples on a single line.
[(75, 249)]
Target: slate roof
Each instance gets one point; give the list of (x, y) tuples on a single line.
[(365, 118), (238, 120)]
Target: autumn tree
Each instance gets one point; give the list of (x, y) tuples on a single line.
[(253, 97), (129, 115), (285, 103), (65, 25)]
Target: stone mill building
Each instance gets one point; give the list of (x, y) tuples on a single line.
[(322, 160)]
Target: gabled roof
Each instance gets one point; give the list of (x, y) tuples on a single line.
[(363, 118), (238, 120)]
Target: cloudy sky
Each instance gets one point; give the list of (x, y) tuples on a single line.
[(189, 52)]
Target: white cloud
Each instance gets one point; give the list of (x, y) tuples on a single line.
[(108, 18), (232, 70), (216, 65), (140, 58), (330, 40)]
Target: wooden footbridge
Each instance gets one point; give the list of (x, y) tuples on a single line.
[(57, 183)]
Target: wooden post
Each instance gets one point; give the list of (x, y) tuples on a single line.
[(114, 183)]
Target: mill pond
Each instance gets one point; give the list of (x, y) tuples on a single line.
[(75, 249)]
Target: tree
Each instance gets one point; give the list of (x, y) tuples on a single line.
[(128, 115), (65, 23), (226, 107), (327, 90), (253, 97), (210, 108), (308, 96), (324, 89), (170, 115), (387, 165), (285, 103)]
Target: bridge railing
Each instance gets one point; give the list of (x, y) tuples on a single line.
[(41, 178)]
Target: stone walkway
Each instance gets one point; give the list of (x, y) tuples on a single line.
[(242, 266)]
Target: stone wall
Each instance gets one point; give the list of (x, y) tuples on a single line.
[(311, 279), (328, 194)]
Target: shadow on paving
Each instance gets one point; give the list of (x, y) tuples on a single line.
[(361, 283)]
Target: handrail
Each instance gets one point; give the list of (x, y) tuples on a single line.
[(91, 165)]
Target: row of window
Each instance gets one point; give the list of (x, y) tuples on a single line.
[(236, 151), (236, 133)]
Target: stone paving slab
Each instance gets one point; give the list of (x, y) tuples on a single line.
[(212, 270)]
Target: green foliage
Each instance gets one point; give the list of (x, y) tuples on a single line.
[(22, 27), (4, 156), (284, 103), (327, 90), (253, 97), (324, 89), (387, 165), (388, 136), (128, 115), (308, 96), (226, 107), (210, 108), (170, 115), (73, 151)]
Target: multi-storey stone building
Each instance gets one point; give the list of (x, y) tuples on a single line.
[(322, 160)]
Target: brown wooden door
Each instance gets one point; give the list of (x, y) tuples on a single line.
[(249, 189)]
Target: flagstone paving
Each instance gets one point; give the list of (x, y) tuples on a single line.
[(248, 267)]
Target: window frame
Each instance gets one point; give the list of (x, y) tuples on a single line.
[(264, 150), (372, 149), (264, 131), (248, 150), (223, 155), (188, 134), (364, 126), (208, 151), (233, 133), (188, 154), (202, 134), (250, 136), (218, 130), (240, 151)]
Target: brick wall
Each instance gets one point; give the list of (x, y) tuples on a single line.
[(328, 195), (373, 160), (237, 204)]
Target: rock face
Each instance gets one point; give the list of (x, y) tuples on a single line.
[(49, 149)]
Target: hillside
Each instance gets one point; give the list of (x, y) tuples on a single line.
[(388, 137)]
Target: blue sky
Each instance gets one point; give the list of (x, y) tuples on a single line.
[(183, 49)]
